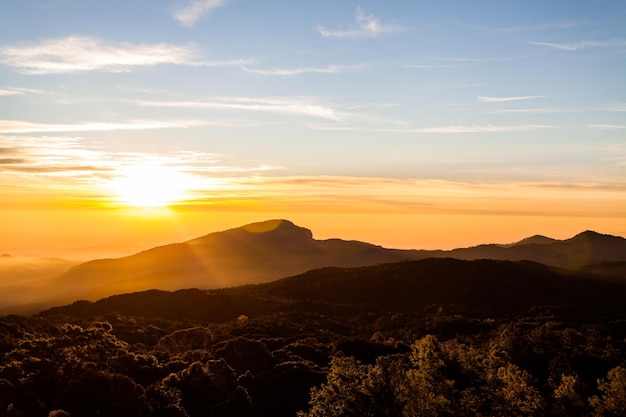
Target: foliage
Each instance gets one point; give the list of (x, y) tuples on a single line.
[(314, 361)]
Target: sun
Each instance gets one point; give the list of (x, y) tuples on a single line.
[(149, 186)]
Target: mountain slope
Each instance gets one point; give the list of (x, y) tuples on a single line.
[(265, 251), (583, 249), (255, 253), (486, 285)]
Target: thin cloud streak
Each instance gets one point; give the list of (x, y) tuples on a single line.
[(608, 127), (575, 46), (331, 69), (17, 126), (194, 11), (79, 161), (84, 54), (15, 91), (486, 99), (428, 66), (279, 105), (457, 129), (395, 195), (368, 26)]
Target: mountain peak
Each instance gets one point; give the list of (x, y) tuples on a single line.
[(269, 226), (536, 240), (591, 235), (277, 229)]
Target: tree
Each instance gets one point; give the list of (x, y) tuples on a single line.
[(343, 394), (613, 399), (426, 389), (516, 396)]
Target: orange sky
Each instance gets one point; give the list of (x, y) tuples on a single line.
[(409, 127), (394, 213)]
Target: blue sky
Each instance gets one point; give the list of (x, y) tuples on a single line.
[(312, 100)]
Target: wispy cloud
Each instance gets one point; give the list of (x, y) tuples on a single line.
[(16, 91), (465, 59), (330, 69), (376, 194), (18, 126), (619, 107), (428, 66), (608, 127), (81, 54), (194, 11), (482, 129), (575, 46), (281, 105), (80, 161), (486, 99), (368, 26), (456, 129)]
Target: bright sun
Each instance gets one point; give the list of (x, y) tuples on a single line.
[(149, 186)]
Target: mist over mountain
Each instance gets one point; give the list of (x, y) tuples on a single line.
[(254, 253), (586, 248), (28, 280), (486, 285), (267, 251)]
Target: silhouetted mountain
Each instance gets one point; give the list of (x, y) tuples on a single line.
[(265, 251), (482, 284), (255, 253), (536, 239), (583, 249)]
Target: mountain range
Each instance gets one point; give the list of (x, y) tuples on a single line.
[(273, 249), (485, 285)]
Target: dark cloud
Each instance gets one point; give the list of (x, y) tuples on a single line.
[(11, 161)]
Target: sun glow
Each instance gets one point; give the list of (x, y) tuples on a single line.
[(150, 186)]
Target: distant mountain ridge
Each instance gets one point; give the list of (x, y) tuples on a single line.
[(254, 253), (482, 285), (266, 251), (584, 249)]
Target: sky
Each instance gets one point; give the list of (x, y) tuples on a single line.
[(126, 124)]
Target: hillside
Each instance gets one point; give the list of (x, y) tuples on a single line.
[(583, 249), (473, 333), (486, 285), (254, 253), (265, 251)]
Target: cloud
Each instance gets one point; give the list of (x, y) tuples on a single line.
[(479, 129), (15, 91), (367, 27), (17, 126), (82, 54), (485, 99), (194, 11), (428, 66), (405, 195), (79, 161), (608, 127), (575, 46), (330, 69), (11, 161), (452, 129), (280, 105)]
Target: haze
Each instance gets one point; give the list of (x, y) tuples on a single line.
[(129, 124)]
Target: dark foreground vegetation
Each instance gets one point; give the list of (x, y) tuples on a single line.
[(427, 338)]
